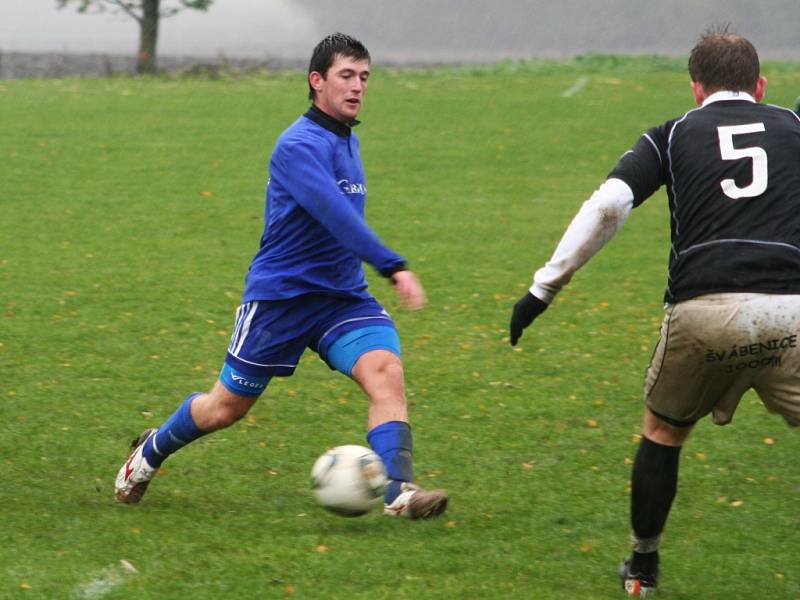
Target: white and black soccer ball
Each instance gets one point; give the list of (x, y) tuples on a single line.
[(349, 480)]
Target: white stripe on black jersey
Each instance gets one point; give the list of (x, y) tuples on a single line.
[(732, 171)]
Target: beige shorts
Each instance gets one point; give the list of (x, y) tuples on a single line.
[(716, 347)]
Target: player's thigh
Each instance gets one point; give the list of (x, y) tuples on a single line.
[(267, 341), (355, 329)]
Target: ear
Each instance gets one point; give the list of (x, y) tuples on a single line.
[(698, 92), (315, 79), (761, 88)]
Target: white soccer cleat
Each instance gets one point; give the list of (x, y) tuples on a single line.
[(135, 475), (416, 503)]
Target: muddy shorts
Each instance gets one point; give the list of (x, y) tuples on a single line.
[(714, 348)]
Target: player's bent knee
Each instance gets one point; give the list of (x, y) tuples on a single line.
[(219, 408), (659, 430), (227, 414), (391, 367)]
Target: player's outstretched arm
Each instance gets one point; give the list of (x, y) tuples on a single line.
[(599, 218), (525, 311), (409, 289)]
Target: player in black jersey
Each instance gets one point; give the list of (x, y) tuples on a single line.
[(732, 172)]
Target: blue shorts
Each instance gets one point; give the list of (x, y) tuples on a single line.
[(269, 337)]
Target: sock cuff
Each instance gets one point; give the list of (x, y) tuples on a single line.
[(187, 420), (645, 545), (648, 445), (392, 442), (392, 434)]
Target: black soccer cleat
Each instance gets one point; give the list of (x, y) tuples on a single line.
[(637, 584)]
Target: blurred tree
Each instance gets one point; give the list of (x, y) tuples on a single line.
[(147, 13)]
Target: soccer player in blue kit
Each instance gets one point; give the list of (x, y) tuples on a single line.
[(306, 289), (731, 167)]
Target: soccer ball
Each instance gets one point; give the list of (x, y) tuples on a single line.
[(349, 480)]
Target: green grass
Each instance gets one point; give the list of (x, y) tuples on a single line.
[(131, 209)]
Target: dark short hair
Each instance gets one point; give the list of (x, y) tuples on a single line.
[(331, 46), (723, 60)]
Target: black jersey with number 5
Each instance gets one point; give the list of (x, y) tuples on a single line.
[(732, 171)]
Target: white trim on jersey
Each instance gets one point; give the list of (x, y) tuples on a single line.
[(384, 315), (739, 241), (728, 95), (249, 362), (598, 219), (674, 211), (653, 144), (794, 114)]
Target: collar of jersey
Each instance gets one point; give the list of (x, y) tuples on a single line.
[(728, 95), (328, 122)]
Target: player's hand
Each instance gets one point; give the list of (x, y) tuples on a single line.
[(409, 290), (525, 311)]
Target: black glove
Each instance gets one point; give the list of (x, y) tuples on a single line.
[(525, 311)]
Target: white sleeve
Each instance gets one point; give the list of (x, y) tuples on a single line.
[(597, 221)]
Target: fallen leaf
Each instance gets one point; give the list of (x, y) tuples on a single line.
[(321, 548), (769, 441), (128, 566)]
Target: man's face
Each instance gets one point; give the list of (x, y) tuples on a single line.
[(341, 93)]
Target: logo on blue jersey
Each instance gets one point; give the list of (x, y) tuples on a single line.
[(351, 188)]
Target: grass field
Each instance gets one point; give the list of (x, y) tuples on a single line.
[(131, 209)]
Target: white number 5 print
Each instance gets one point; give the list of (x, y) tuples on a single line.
[(759, 156)]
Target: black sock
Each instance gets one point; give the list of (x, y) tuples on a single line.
[(654, 483)]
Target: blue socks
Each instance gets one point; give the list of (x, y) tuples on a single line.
[(174, 434), (392, 442)]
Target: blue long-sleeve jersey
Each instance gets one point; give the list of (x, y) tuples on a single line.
[(315, 236)]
